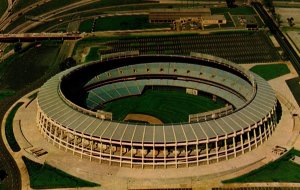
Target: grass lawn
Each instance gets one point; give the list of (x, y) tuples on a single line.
[(3, 7), (282, 170), (46, 176), (120, 23), (9, 128), (271, 71), (294, 86), (233, 11), (6, 93), (23, 69), (86, 25), (93, 54), (168, 106)]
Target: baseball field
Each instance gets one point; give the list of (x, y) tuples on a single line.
[(167, 106)]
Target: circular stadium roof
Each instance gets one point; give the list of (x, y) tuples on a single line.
[(69, 97)]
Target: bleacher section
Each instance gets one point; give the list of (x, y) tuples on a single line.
[(214, 78)]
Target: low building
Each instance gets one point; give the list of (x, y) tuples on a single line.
[(170, 15), (195, 23)]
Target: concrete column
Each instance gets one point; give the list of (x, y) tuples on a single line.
[(91, 149), (249, 140), (165, 152), (197, 150), (176, 161), (56, 134), (270, 123), (226, 153), (217, 151), (242, 144), (255, 139), (265, 131), (131, 156), (260, 135), (81, 146), (101, 146), (74, 145), (207, 157), (153, 157), (234, 147), (110, 152), (142, 156), (60, 138), (121, 152), (186, 155), (67, 142)]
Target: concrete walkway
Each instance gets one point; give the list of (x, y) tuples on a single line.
[(112, 177)]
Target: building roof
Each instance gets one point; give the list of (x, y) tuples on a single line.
[(53, 103)]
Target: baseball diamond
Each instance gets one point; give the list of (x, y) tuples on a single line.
[(70, 115)]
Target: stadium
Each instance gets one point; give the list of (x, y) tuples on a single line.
[(72, 115)]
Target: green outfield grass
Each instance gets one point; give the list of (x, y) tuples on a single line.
[(270, 71), (48, 177), (282, 170), (168, 106), (9, 132)]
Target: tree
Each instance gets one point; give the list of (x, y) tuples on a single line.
[(18, 47), (277, 18), (291, 21), (67, 63), (3, 175), (269, 4), (230, 3)]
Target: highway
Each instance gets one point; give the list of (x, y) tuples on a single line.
[(32, 37), (283, 42)]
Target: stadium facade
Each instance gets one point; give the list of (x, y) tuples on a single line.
[(70, 118)]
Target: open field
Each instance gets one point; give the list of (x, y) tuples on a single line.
[(28, 66), (281, 170), (167, 106), (119, 23), (48, 177), (9, 133), (3, 6), (6, 93), (294, 86), (239, 47), (270, 71), (93, 54), (233, 11), (288, 13)]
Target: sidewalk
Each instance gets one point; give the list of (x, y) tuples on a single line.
[(113, 177)]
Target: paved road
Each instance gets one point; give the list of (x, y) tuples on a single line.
[(283, 42)]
